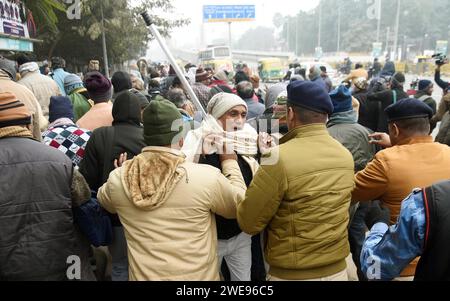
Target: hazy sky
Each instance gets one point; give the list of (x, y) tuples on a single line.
[(265, 10), (190, 36)]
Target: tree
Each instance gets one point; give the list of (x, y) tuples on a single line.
[(278, 20), (127, 36), (44, 13), (418, 18)]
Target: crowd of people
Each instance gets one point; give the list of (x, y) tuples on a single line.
[(293, 182)]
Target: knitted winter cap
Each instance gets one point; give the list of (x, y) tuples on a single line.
[(222, 103), (424, 84), (160, 127), (60, 107), (341, 98), (12, 111), (9, 67), (72, 82), (98, 87), (221, 75)]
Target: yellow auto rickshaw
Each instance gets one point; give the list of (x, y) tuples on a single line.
[(270, 69)]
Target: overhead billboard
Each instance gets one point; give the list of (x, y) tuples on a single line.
[(228, 13), (377, 49), (442, 47), (12, 19)]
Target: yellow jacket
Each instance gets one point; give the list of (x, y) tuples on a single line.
[(302, 200), (167, 209)]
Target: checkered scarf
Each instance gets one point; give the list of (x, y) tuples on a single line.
[(69, 139)]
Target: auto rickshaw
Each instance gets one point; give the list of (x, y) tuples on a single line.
[(424, 64), (270, 69)]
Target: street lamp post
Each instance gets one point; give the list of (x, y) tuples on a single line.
[(320, 24), (379, 20), (404, 48), (388, 33), (105, 51), (397, 24), (288, 33), (339, 30), (296, 36), (229, 34)]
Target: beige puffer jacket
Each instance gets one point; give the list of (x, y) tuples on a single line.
[(167, 207)]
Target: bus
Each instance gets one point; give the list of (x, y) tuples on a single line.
[(216, 57)]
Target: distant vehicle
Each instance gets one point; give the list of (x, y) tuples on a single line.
[(216, 57), (423, 59), (270, 69)]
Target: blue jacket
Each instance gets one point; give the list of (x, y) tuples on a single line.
[(255, 109), (58, 76), (388, 250)]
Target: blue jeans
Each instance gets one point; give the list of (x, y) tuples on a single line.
[(357, 235), (119, 253)]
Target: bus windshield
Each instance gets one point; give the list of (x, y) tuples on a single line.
[(206, 55), (221, 52)]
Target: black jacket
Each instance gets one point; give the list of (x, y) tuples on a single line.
[(36, 223), (442, 84), (434, 265), (107, 143), (386, 98), (368, 111), (228, 228), (388, 69)]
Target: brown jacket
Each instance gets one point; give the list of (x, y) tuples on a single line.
[(27, 97), (395, 172), (167, 207), (442, 115)]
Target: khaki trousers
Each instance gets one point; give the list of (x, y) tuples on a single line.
[(341, 276)]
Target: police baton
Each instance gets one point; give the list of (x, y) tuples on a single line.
[(148, 20)]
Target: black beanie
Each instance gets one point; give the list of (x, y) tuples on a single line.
[(121, 81), (23, 59)]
